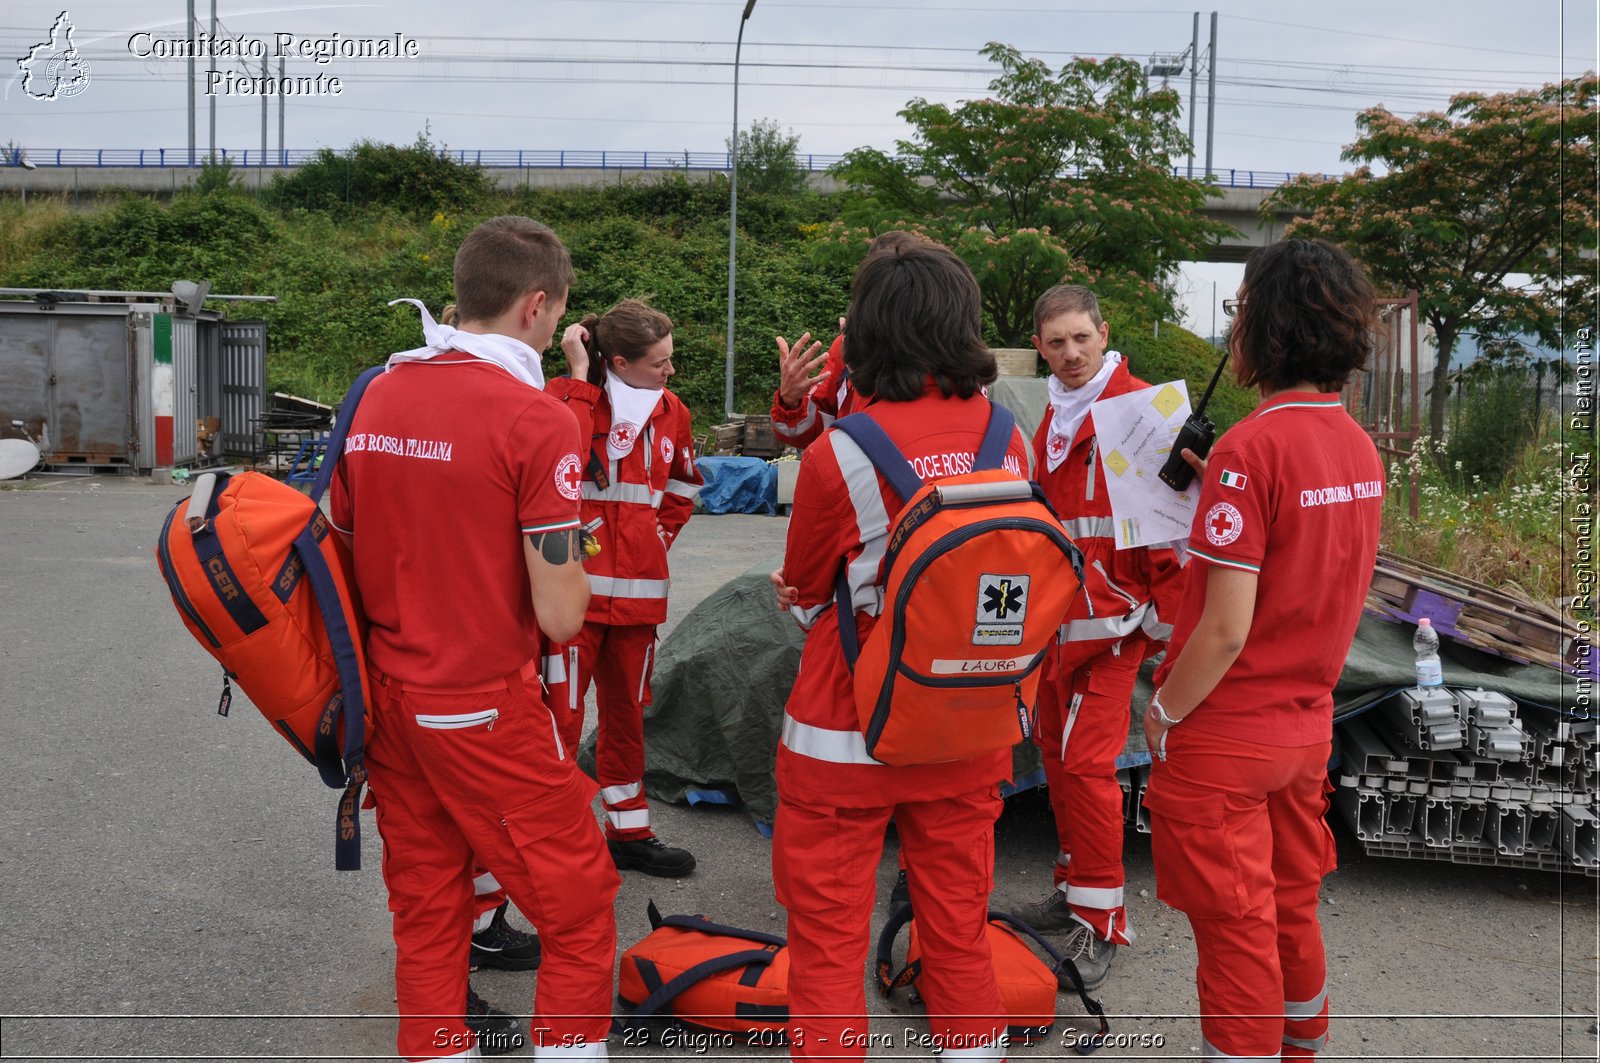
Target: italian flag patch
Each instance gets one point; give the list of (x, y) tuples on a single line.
[(1229, 478)]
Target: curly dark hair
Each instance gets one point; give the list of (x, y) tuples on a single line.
[(1307, 314), (915, 313)]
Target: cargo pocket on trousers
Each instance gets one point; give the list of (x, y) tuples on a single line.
[(568, 865), (1196, 857)]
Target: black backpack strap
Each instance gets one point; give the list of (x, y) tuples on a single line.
[(996, 439), (663, 995), (888, 982), (341, 429), (350, 704), (1060, 966), (704, 925), (885, 457)]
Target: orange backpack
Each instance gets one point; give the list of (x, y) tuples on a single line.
[(264, 587), (708, 975), (1027, 986), (979, 574)]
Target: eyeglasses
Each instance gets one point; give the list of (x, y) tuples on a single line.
[(1231, 306)]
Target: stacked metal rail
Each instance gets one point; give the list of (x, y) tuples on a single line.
[(1464, 776)]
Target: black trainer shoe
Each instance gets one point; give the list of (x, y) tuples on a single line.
[(498, 1032), (650, 856), (1090, 954), (901, 894), (1047, 916), (503, 946)]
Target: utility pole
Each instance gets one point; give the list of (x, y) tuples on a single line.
[(283, 158), (211, 84), (733, 207), (263, 110), (191, 82), (1211, 94), (1194, 78)]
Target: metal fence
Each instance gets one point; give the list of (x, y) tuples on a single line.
[(511, 159)]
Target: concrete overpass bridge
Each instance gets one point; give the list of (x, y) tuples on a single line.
[(85, 173)]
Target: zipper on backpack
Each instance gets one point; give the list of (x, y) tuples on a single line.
[(459, 722)]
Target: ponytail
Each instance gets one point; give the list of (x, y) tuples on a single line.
[(591, 343)]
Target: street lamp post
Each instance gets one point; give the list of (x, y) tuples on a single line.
[(733, 205)]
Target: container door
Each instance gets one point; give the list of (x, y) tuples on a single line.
[(244, 384), (25, 373)]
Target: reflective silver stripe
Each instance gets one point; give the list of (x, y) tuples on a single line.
[(485, 883), (644, 672), (636, 819), (1212, 1054), (872, 523), (574, 702), (1315, 1044), (683, 489), (1306, 1009), (791, 432), (806, 617), (615, 795), (1102, 898), (612, 587), (1090, 528), (457, 721), (638, 494), (982, 1052), (1152, 625), (1133, 603), (1072, 721), (555, 732), (820, 743), (553, 669), (1110, 627)]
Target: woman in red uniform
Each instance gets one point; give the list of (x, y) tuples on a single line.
[(639, 483), (1241, 722), (917, 361)]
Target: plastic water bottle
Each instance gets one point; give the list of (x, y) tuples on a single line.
[(1430, 673)]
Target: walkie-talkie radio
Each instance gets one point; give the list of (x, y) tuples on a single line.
[(1197, 434)]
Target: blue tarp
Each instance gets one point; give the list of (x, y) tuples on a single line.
[(738, 485)]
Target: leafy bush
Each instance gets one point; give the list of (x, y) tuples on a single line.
[(419, 180), (1494, 423)]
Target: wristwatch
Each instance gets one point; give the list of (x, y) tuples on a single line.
[(1158, 712)]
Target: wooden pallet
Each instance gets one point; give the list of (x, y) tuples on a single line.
[(1492, 619)]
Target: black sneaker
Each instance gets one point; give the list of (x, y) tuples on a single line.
[(503, 946), (901, 894), (1090, 954), (650, 856), (498, 1032)]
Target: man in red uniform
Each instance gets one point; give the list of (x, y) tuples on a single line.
[(459, 489), (1284, 542), (915, 314), (1084, 699)]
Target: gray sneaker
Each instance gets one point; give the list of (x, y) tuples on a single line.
[(1048, 916), (1090, 954)]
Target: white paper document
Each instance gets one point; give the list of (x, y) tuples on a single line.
[(1135, 433)]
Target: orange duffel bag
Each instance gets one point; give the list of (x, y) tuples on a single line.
[(264, 584)]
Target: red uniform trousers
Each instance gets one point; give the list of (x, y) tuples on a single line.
[(1082, 729), (619, 658), (461, 776), (824, 868), (1241, 845)]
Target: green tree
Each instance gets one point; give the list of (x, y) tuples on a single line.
[(768, 160), (1056, 176), (1466, 200)]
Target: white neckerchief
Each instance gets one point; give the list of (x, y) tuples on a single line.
[(631, 408), (1069, 408), (512, 355)]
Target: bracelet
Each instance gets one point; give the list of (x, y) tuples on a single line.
[(1158, 712)]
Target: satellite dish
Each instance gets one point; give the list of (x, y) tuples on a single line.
[(17, 456), (190, 295)]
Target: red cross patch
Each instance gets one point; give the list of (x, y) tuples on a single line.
[(1057, 446), (666, 451), (569, 477), (1223, 524), (622, 436)]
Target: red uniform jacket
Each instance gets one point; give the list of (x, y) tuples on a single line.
[(645, 499), (1134, 594)]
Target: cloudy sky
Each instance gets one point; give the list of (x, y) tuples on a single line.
[(656, 75)]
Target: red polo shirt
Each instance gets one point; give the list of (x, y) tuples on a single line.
[(1295, 493), (448, 465)]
